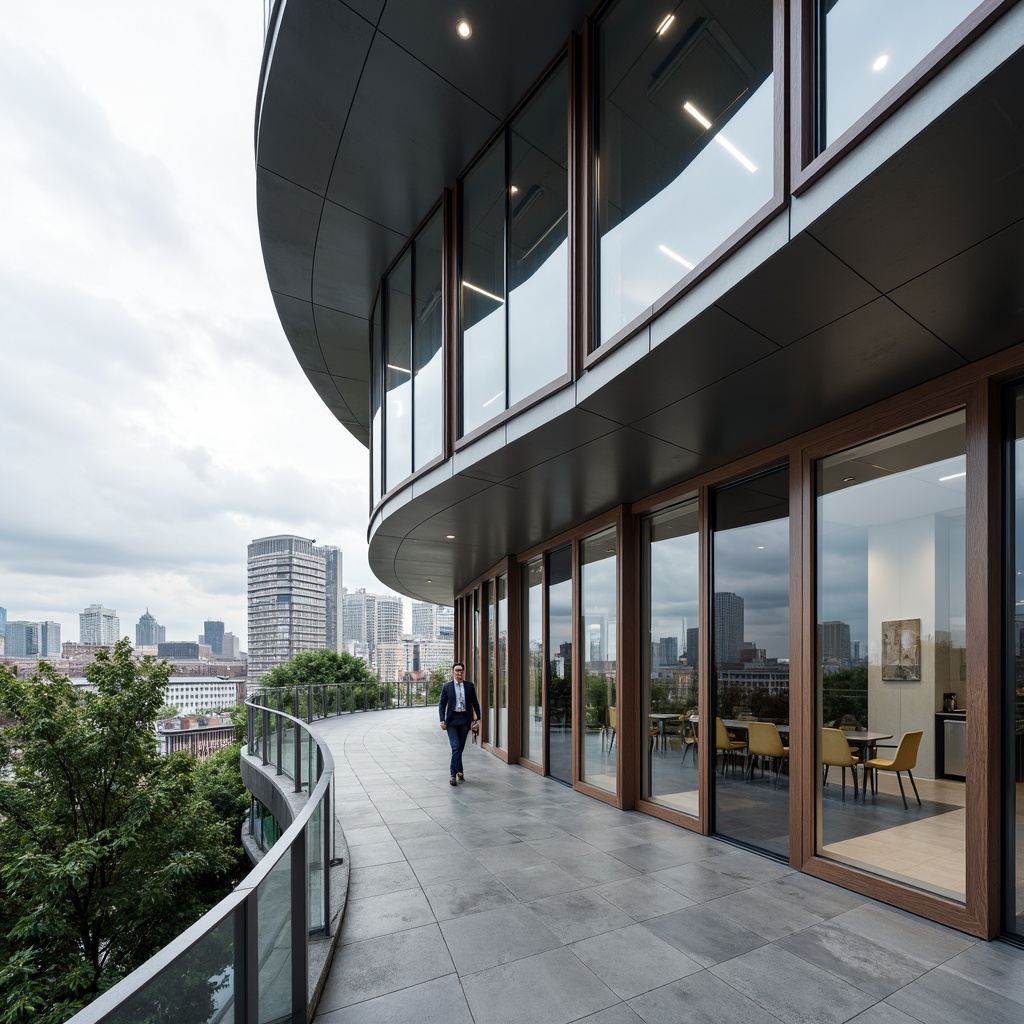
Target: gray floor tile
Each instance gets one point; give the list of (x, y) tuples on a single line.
[(632, 960), (377, 879), (877, 969), (925, 941), (883, 1013), (578, 915), (365, 836), (562, 847), (495, 937), (748, 867), (434, 1002), (703, 935), (538, 880), (381, 915), (698, 882), (416, 829), (814, 895), (550, 987), (428, 847), (595, 868), (941, 997), (997, 966), (651, 857), (469, 894), (763, 914), (376, 853), (699, 999), (620, 1013), (643, 897), (374, 967), (792, 989), (508, 858)]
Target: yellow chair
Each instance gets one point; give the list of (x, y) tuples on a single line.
[(763, 740), (726, 744), (904, 761), (613, 724), (688, 736), (836, 751)]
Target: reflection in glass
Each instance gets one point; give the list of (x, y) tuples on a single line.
[(558, 660), (598, 566), (671, 589), (428, 382), (376, 370), (538, 269), (1015, 692), (492, 734), (533, 662), (482, 289), (274, 935), (398, 373), (315, 868), (891, 576), (871, 44), (501, 699), (685, 141), (750, 658)]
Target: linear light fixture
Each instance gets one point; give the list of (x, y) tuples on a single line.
[(476, 288), (400, 369), (675, 256), (494, 399), (719, 138), (952, 476), (666, 24)]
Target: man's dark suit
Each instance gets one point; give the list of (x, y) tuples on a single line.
[(457, 722)]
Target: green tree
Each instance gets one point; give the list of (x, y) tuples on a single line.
[(438, 678), (107, 850), (360, 688)]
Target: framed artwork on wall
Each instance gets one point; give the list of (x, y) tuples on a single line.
[(901, 650)]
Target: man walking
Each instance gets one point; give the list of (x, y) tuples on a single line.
[(458, 708)]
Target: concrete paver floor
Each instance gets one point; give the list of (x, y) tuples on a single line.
[(513, 899)]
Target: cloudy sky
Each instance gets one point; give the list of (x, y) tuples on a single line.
[(153, 417)]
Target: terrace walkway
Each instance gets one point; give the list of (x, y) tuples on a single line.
[(514, 899)]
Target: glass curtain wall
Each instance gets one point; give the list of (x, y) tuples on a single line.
[(867, 46), (488, 673), (427, 334), (376, 420), (501, 681), (514, 292), (598, 624), (1014, 716), (538, 267), (558, 662), (670, 566), (685, 141), (398, 373), (750, 657), (891, 661), (533, 661)]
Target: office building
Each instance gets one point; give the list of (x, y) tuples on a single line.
[(99, 625), (835, 644), (22, 639), (49, 640), (231, 647), (286, 601), (149, 632), (332, 597), (213, 636), (388, 614), (689, 313)]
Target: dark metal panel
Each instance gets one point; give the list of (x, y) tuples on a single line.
[(369, 9), (408, 136), (532, 30), (351, 254), (288, 220), (801, 288), (327, 388), (710, 347), (320, 49), (344, 341), (959, 181), (975, 301), (872, 353), (296, 318)]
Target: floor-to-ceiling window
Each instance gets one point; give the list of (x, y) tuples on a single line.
[(670, 567), (501, 667), (488, 673), (749, 732), (558, 662), (1013, 704), (891, 655), (598, 623), (533, 661)]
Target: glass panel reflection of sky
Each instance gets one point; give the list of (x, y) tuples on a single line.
[(872, 44)]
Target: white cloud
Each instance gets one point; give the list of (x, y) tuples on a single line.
[(155, 419)]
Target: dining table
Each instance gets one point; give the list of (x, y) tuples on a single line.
[(865, 743), (661, 718)]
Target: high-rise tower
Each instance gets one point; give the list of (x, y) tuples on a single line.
[(99, 625)]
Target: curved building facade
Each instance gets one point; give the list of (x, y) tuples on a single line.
[(686, 338)]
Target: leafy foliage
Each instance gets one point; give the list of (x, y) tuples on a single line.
[(107, 849), (360, 689), (438, 678)]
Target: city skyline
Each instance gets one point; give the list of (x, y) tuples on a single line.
[(147, 381)]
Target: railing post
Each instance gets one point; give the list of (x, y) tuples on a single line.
[(297, 773), (247, 961), (265, 720), (280, 743), (309, 705)]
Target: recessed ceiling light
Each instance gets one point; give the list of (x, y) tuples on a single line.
[(760, 547), (449, 536), (666, 24), (880, 62), (430, 581), (720, 138), (513, 189), (463, 28), (848, 479)]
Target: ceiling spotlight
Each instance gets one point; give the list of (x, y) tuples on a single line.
[(463, 28)]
